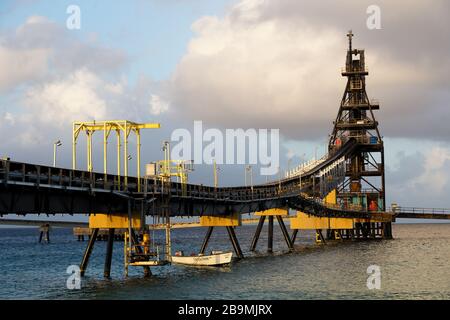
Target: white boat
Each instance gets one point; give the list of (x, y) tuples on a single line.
[(216, 258)]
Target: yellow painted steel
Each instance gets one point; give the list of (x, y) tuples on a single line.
[(341, 223), (304, 222), (119, 126), (273, 212), (318, 237), (229, 221), (331, 198), (117, 221), (118, 157), (337, 235)]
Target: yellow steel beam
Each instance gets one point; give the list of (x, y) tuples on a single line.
[(125, 156), (113, 125), (341, 223), (125, 126), (304, 222), (118, 157), (273, 212), (117, 221), (138, 155), (229, 221), (331, 197)]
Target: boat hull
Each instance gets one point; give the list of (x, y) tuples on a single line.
[(210, 260)]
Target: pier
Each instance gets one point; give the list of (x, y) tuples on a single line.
[(341, 196)]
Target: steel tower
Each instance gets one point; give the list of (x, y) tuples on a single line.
[(364, 183)]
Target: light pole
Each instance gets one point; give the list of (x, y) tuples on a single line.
[(216, 182), (279, 178), (302, 160), (289, 165), (55, 145), (249, 169), (245, 176)]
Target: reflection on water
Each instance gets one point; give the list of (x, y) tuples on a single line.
[(416, 265)]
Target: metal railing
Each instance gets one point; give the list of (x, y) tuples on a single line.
[(45, 176), (413, 210)]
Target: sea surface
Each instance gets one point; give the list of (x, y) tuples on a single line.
[(415, 265)]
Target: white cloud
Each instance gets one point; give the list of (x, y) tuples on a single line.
[(74, 98), (258, 73), (51, 78), (21, 65), (435, 175), (40, 49), (277, 64), (158, 105), (8, 118), (420, 178)]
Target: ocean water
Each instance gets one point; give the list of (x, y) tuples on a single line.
[(415, 265)]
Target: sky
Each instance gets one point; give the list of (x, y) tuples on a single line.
[(271, 64)]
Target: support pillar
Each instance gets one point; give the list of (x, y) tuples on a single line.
[(319, 236), (88, 251), (285, 233), (109, 252), (135, 241), (257, 233), (387, 230), (270, 235), (338, 235), (235, 243), (294, 236), (206, 240)]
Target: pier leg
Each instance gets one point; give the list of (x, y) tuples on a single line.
[(88, 251), (352, 234), (109, 251), (330, 235), (257, 233), (270, 235), (285, 233), (387, 230), (365, 229), (147, 272), (135, 240), (319, 236), (372, 230), (357, 230), (206, 240), (294, 236), (125, 253), (338, 235), (235, 243)]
